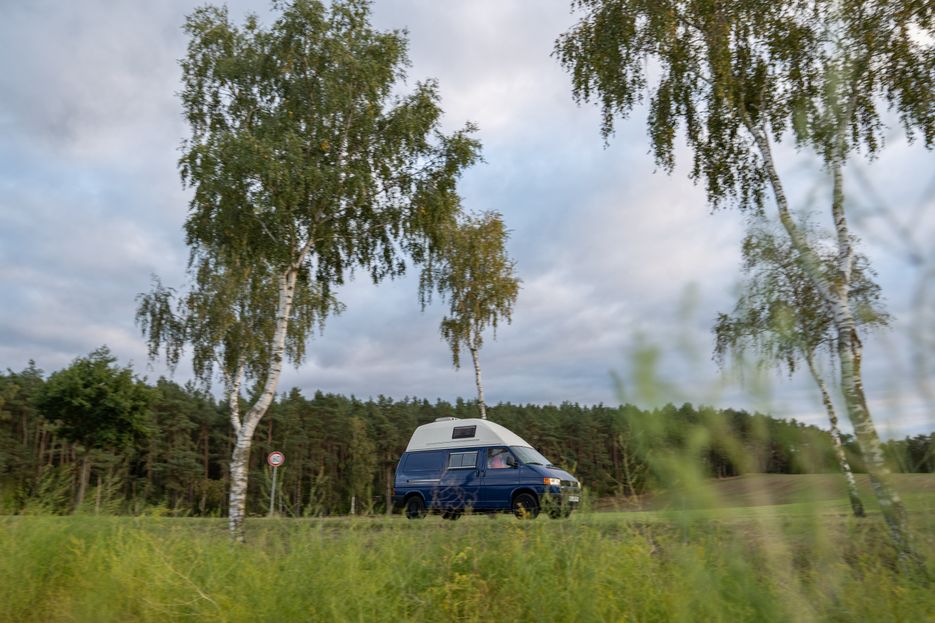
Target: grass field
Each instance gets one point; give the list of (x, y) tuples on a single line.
[(803, 559), (826, 491)]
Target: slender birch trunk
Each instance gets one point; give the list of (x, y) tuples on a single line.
[(856, 504), (244, 429), (849, 346), (850, 352), (480, 387), (240, 460), (891, 506)]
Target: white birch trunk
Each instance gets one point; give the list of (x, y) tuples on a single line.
[(480, 387), (857, 505), (240, 458), (891, 506), (850, 351), (849, 346)]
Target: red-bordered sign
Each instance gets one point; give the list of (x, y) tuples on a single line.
[(276, 458)]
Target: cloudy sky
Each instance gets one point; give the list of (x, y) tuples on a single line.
[(613, 255)]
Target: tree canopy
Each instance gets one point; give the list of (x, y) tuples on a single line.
[(825, 71), (779, 314), (301, 158), (476, 276), (96, 403), (305, 164)]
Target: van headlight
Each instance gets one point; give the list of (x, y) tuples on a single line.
[(555, 482)]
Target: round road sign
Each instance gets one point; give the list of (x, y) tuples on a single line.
[(276, 458)]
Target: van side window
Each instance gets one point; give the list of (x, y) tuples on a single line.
[(462, 460), (497, 458), (425, 461), (463, 432)]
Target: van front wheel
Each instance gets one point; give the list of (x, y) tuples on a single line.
[(415, 508), (525, 506)]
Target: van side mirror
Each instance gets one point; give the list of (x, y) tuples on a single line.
[(511, 462)]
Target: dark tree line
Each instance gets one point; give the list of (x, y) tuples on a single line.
[(337, 448)]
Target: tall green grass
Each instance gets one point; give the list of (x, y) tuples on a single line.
[(757, 548), (594, 567)]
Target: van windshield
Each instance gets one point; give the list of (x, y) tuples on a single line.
[(529, 456)]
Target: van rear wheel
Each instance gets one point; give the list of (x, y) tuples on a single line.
[(525, 506), (415, 508)]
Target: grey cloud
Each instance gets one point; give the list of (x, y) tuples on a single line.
[(86, 72), (606, 246)]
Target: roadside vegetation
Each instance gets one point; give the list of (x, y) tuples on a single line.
[(796, 562)]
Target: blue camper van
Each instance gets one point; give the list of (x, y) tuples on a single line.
[(453, 465)]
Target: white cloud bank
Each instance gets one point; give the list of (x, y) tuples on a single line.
[(91, 205)]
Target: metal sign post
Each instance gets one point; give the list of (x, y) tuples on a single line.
[(275, 459)]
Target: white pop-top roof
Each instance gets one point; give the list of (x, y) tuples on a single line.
[(439, 435)]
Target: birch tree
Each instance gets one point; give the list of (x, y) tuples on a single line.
[(741, 77), (476, 276), (782, 318), (305, 165)]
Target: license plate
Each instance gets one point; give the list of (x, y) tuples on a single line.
[(572, 498)]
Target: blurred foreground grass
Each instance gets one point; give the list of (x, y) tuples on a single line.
[(803, 559)]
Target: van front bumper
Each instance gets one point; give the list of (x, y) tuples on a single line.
[(566, 498)]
